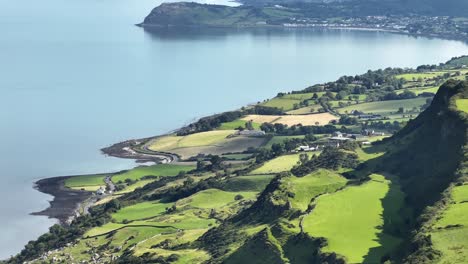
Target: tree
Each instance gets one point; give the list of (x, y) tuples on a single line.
[(401, 110)]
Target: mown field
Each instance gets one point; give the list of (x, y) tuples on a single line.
[(86, 182), (290, 120), (155, 170), (352, 219)]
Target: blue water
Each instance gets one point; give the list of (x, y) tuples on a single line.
[(76, 75)]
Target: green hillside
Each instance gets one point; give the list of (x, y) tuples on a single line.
[(401, 199)]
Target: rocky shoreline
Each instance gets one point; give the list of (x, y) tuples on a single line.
[(65, 203)]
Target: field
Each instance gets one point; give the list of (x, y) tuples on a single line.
[(416, 76), (453, 242), (237, 123), (247, 183), (86, 182), (290, 120), (140, 211), (384, 107), (134, 186), (351, 220), (421, 90), (212, 142), (462, 104), (307, 187), (213, 198), (155, 170), (279, 164), (282, 103)]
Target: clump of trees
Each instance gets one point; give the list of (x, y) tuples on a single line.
[(330, 158)]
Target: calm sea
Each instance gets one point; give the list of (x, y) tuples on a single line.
[(77, 75)]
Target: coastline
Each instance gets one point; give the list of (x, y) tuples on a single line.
[(65, 203), (299, 26)]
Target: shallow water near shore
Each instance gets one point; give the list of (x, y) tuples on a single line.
[(78, 76)]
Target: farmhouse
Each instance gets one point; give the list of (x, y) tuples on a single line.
[(338, 136), (100, 191)]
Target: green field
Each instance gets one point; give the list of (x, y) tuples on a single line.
[(237, 156), (307, 187), (140, 211), (351, 220), (453, 242), (86, 182), (421, 90), (462, 104), (213, 198), (155, 170), (384, 107), (167, 143), (279, 164), (237, 123), (134, 186), (416, 76), (256, 183), (282, 103)]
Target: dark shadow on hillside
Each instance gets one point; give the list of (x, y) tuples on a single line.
[(395, 227)]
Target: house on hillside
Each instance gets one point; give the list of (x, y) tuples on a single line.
[(101, 191)]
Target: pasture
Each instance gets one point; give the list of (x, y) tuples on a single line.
[(352, 219), (236, 124), (462, 104), (215, 142), (140, 211), (253, 183), (416, 76), (453, 242), (290, 120), (212, 198), (384, 107), (307, 187), (279, 164), (86, 182), (154, 170)]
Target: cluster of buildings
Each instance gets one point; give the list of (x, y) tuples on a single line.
[(337, 137)]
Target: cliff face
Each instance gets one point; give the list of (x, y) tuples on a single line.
[(428, 151)]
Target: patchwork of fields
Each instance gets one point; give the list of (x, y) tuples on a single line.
[(215, 142)]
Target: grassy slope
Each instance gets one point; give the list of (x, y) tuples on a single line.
[(140, 211), (167, 143), (309, 186), (351, 221), (237, 123), (155, 170), (279, 164), (247, 183), (213, 198), (382, 107), (453, 242), (87, 182), (462, 104)]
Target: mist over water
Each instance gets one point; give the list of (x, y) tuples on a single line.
[(77, 76)]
